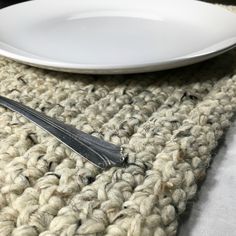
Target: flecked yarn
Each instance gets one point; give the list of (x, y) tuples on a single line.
[(168, 122)]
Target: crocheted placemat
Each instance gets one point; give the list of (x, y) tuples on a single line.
[(168, 122)]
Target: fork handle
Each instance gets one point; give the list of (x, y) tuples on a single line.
[(101, 153)]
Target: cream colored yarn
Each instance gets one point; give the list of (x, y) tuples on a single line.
[(168, 122)]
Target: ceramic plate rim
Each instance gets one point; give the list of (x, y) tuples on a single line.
[(128, 68)]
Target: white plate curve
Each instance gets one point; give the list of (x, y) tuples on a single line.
[(115, 36)]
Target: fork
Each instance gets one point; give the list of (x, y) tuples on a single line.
[(101, 153)]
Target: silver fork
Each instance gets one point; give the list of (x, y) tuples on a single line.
[(101, 153)]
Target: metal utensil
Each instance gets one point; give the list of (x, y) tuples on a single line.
[(99, 152)]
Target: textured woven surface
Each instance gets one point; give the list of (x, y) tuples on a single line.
[(168, 122)]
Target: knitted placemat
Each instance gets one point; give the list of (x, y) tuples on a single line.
[(168, 122)]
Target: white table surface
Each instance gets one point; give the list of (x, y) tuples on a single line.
[(214, 212)]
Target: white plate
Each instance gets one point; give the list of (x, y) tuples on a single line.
[(114, 36)]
